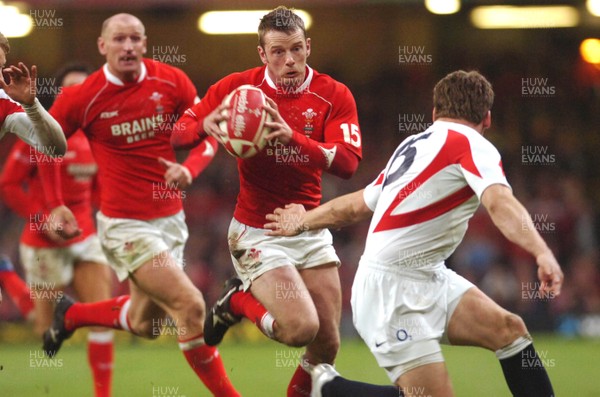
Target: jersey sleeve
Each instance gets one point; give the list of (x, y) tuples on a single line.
[(341, 149), (342, 124), (187, 92), (30, 124), (373, 191), (200, 157), (17, 169), (213, 97), (482, 166), (50, 177), (7, 107), (65, 110), (188, 131)]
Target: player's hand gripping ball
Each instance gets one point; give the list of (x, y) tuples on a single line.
[(245, 128)]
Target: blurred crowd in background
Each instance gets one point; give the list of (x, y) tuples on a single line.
[(548, 138)]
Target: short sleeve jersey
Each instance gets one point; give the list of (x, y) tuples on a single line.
[(322, 109), (129, 125), (424, 198)]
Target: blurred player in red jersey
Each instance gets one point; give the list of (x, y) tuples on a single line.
[(289, 288), (127, 110), (22, 114), (51, 264), (405, 301), (20, 111)]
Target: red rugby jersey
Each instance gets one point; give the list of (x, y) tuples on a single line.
[(23, 192), (129, 127), (321, 109), (8, 106)]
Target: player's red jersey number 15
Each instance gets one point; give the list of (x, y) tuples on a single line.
[(351, 134)]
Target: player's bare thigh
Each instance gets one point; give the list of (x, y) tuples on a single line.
[(479, 321), (429, 380), (92, 281), (283, 293), (323, 283), (171, 290)]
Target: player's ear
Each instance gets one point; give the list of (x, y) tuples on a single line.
[(487, 120), (262, 54), (433, 115), (307, 46), (145, 41), (101, 45)]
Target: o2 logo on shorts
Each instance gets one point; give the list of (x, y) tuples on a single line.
[(402, 335)]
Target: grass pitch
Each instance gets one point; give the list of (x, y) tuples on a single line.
[(263, 368)]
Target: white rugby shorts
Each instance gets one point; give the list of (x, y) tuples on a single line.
[(54, 265), (129, 243), (402, 314), (253, 253)]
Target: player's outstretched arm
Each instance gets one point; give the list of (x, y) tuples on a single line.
[(38, 129), (182, 175), (61, 223), (339, 212), (513, 220), (189, 131), (15, 193)]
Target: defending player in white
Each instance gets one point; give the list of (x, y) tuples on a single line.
[(405, 301)]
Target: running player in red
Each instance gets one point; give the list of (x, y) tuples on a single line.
[(127, 110), (289, 288), (51, 264), (22, 114), (20, 111), (405, 301)]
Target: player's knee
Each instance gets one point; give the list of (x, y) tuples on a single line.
[(193, 312), (188, 304), (299, 333), (513, 327), (148, 328)]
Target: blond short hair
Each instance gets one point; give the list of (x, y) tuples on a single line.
[(4, 44)]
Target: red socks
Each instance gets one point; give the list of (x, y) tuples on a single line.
[(100, 358), (245, 304), (18, 291), (111, 313), (207, 364), (300, 385)]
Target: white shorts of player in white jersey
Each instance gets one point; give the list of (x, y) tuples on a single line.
[(49, 267), (129, 243), (254, 254), (403, 314)]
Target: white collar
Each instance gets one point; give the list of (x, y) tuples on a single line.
[(302, 88), (117, 81)]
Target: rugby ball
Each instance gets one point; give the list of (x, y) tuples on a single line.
[(245, 129)]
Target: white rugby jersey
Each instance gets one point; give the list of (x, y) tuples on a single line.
[(13, 119), (423, 199)]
